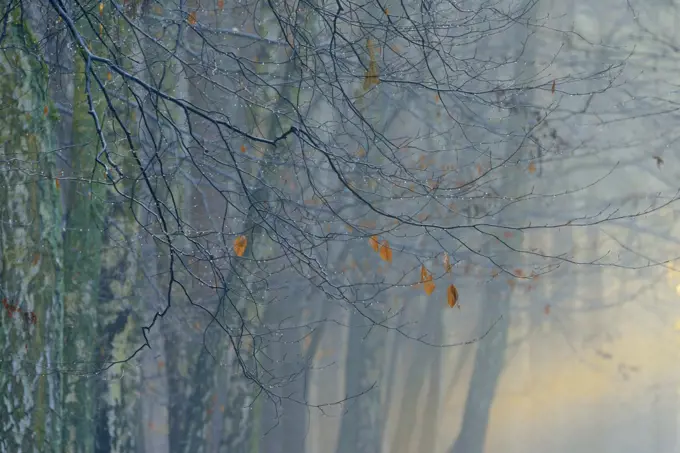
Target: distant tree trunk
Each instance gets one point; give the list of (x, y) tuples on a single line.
[(489, 362), (118, 421), (490, 353), (82, 243), (31, 258), (424, 367), (360, 428)]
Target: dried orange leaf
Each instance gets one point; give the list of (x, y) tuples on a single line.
[(192, 18), (452, 296), (46, 110), (387, 11), (386, 251), (546, 309), (429, 287), (423, 274), (518, 272), (373, 241), (220, 4), (108, 76), (243, 148), (552, 90), (240, 244), (36, 258), (532, 168), (56, 183)]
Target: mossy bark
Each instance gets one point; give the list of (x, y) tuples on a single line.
[(31, 274), (82, 243), (118, 410)]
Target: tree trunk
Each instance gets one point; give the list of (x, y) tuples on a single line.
[(31, 274), (360, 428), (490, 353), (118, 418), (82, 243)]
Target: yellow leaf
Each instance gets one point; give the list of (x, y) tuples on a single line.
[(373, 241), (360, 152), (101, 8), (240, 244), (452, 296), (426, 280), (101, 29), (387, 11), (429, 287), (108, 76), (192, 18), (424, 274), (677, 290), (386, 251), (447, 263)]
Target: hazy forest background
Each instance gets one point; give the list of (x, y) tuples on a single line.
[(338, 226)]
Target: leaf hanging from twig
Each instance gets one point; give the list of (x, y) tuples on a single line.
[(386, 251), (452, 296), (373, 241), (240, 244)]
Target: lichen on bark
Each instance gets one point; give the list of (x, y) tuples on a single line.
[(31, 275)]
